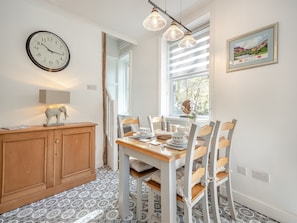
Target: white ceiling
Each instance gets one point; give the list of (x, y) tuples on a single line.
[(123, 18)]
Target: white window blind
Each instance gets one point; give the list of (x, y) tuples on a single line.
[(192, 61)]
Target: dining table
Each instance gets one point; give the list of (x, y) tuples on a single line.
[(152, 152)]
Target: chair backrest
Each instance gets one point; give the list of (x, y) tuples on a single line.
[(200, 152), (157, 122), (221, 147), (128, 125)]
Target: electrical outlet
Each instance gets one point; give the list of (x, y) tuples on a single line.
[(242, 170), (265, 177)]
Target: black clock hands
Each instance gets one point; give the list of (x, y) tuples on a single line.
[(51, 50), (46, 47), (58, 53)]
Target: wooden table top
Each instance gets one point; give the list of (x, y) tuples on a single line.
[(158, 151)]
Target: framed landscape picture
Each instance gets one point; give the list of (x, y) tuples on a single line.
[(256, 48)]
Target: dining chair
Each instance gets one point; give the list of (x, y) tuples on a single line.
[(128, 125), (191, 184), (220, 167), (157, 122), (138, 169)]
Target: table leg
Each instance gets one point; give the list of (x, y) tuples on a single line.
[(123, 183), (168, 192)]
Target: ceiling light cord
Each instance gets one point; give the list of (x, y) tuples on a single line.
[(180, 9)]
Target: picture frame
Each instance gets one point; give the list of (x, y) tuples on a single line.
[(253, 49)]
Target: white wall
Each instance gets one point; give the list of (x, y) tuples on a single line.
[(20, 79), (262, 99), (145, 77)]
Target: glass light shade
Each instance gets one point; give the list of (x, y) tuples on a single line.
[(188, 41), (173, 33), (154, 21)]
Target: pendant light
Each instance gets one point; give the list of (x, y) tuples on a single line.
[(173, 33), (188, 41), (154, 21)]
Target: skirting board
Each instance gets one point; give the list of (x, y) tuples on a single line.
[(275, 213)]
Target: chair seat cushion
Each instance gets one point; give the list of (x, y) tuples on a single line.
[(181, 180), (139, 166), (156, 176)]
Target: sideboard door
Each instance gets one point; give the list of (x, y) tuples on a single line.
[(75, 151), (25, 164)]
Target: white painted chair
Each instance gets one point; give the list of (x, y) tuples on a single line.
[(179, 122), (138, 169), (220, 167), (157, 122), (192, 183), (128, 125)]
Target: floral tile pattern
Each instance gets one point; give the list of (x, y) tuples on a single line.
[(97, 202)]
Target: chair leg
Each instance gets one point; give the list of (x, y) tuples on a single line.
[(214, 202), (219, 193), (205, 208), (230, 199), (139, 200), (151, 204), (187, 213)]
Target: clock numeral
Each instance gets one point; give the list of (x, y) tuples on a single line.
[(50, 62), (43, 39), (58, 62), (38, 55)]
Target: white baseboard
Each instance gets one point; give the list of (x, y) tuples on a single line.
[(275, 213)]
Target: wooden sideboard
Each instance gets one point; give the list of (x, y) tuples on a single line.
[(38, 162)]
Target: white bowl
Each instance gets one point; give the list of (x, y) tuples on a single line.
[(144, 131)]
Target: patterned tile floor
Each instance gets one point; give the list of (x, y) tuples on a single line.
[(97, 201)]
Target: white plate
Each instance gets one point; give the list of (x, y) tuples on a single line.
[(171, 143), (175, 147)]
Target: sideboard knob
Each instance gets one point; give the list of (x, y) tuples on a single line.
[(57, 140)]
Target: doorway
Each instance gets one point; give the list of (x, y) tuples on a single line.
[(117, 84)]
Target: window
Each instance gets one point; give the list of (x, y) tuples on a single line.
[(123, 84), (188, 75)]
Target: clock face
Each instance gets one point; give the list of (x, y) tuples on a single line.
[(48, 51)]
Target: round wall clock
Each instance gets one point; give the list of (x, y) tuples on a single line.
[(48, 51)]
